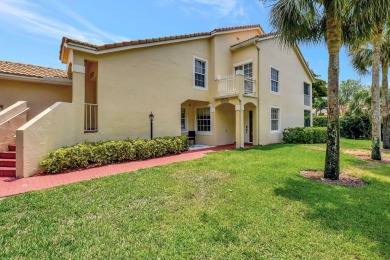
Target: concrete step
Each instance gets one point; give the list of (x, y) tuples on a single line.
[(8, 155), (11, 147), (7, 172), (7, 163)]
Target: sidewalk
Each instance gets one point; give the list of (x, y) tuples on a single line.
[(12, 186)]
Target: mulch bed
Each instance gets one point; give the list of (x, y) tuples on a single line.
[(344, 180), (368, 158)]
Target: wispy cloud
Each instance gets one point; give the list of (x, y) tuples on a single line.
[(233, 8), (31, 18)]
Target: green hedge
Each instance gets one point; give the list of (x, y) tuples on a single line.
[(320, 121), (87, 154), (304, 135), (353, 127)]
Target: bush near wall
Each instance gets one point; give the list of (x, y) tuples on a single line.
[(99, 153), (320, 121), (304, 135)]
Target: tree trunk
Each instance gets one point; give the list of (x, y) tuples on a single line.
[(385, 106), (375, 98), (333, 41)]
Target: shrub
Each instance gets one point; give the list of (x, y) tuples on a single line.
[(320, 121), (304, 135), (86, 154), (353, 127)]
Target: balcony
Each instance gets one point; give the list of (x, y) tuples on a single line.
[(236, 85)]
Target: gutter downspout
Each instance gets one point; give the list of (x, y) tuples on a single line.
[(258, 93)]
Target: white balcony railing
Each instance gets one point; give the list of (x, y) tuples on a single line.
[(229, 86), (90, 117)]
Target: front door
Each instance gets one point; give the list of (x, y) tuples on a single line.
[(248, 121)]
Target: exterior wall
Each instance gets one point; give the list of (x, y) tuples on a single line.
[(290, 100), (39, 96), (11, 118), (135, 82), (50, 130)]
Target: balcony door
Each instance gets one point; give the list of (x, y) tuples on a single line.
[(248, 74)]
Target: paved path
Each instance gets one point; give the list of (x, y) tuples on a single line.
[(11, 186)]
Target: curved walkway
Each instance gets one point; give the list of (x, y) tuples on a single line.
[(12, 186)]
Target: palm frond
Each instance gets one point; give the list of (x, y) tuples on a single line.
[(298, 21), (361, 59)]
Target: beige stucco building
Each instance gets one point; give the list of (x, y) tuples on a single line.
[(231, 85)]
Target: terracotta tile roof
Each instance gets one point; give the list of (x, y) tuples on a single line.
[(152, 40), (27, 70)]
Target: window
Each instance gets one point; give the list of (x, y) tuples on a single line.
[(275, 119), (247, 69), (306, 91), (200, 79), (274, 80), (203, 120), (307, 118), (183, 119)]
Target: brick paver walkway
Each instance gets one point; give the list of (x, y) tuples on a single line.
[(11, 186)]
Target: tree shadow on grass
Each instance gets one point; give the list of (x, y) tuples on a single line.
[(355, 212)]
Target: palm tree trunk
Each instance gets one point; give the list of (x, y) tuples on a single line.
[(385, 106), (375, 98), (333, 41)]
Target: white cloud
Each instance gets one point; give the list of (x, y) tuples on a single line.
[(29, 17), (222, 8)]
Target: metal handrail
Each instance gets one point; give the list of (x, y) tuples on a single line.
[(9, 119)]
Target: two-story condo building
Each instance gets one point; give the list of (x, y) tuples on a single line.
[(231, 85)]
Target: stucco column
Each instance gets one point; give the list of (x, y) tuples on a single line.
[(239, 126), (213, 125), (78, 99)]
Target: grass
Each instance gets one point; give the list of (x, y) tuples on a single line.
[(249, 203)]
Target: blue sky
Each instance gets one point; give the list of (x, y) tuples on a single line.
[(31, 30)]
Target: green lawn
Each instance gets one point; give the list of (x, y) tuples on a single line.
[(234, 204)]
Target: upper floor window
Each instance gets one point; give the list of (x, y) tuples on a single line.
[(306, 91), (246, 68), (274, 80), (248, 73), (200, 76)]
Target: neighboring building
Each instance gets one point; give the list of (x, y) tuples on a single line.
[(231, 85)]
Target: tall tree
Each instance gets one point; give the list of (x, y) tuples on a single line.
[(319, 88), (369, 18), (362, 60), (347, 89), (315, 21)]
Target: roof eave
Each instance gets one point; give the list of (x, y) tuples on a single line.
[(47, 80)]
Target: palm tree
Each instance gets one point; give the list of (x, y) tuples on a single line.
[(361, 61), (315, 21), (347, 89), (369, 19)]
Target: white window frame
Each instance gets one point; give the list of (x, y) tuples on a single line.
[(185, 118), (194, 58), (270, 80), (196, 121), (279, 119)]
